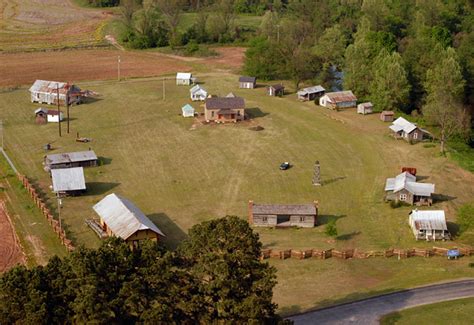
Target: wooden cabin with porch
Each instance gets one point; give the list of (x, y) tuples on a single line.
[(429, 225), (46, 92), (283, 215), (121, 218), (224, 109)]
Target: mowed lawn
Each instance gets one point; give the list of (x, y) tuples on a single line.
[(180, 175)]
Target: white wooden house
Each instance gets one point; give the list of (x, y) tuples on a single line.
[(429, 225), (184, 78), (187, 111), (198, 93), (247, 82), (46, 92)]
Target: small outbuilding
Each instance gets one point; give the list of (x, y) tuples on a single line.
[(184, 78), (187, 110), (247, 82), (310, 93), (230, 95), (405, 188), (387, 116), (121, 218), (41, 116), (68, 181), (338, 99), (365, 108), (403, 129), (279, 215), (429, 225), (197, 93), (71, 159), (46, 92), (276, 90)]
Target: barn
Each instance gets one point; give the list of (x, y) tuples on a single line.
[(276, 90), (68, 181), (121, 218), (429, 225), (405, 188), (184, 78), (197, 93), (283, 215), (310, 93), (71, 159), (187, 111), (365, 108), (46, 92), (338, 99), (247, 82), (403, 129)]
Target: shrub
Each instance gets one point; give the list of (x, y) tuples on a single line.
[(331, 229)]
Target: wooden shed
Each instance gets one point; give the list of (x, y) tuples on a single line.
[(41, 116), (387, 116), (276, 90), (365, 108), (187, 111), (247, 82), (70, 159), (283, 215), (405, 188), (121, 218), (184, 78), (68, 181), (403, 129), (338, 99), (311, 93)]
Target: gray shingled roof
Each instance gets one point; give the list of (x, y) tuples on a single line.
[(123, 217), (284, 209), (68, 179), (247, 79), (61, 158), (277, 87), (225, 103)]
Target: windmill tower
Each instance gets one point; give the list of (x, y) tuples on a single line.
[(317, 174)]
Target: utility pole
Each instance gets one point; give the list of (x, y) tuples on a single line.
[(59, 209), (59, 108), (164, 89), (67, 108), (118, 68)]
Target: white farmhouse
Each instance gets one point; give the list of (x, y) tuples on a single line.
[(198, 93), (184, 78)]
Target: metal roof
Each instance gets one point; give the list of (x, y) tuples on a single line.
[(428, 220), (401, 124), (183, 75), (277, 87), (68, 179), (284, 209), (197, 89), (311, 90), (187, 108), (366, 105), (247, 79), (61, 158), (225, 103), (45, 86), (341, 96), (123, 217), (41, 110), (407, 181)]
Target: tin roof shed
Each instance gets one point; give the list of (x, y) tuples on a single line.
[(68, 179)]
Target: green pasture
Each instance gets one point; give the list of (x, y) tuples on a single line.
[(180, 175)]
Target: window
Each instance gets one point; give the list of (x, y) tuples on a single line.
[(415, 135), (212, 113), (301, 219), (238, 113), (264, 219), (403, 197)]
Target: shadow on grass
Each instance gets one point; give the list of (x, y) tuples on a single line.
[(104, 161), (324, 219), (442, 198), (174, 234), (453, 228), (255, 112), (98, 188), (421, 178), (88, 100), (290, 310), (332, 180), (348, 236)]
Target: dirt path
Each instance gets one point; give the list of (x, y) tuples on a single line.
[(11, 253)]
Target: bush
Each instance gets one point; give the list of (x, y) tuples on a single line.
[(331, 229)]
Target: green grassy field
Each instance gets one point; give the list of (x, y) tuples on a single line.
[(243, 21), (180, 176), (457, 312)]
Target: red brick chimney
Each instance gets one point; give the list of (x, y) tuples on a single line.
[(250, 212)]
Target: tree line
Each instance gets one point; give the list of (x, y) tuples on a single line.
[(215, 275), (411, 56)]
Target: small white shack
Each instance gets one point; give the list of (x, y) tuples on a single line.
[(184, 78), (187, 110), (429, 225), (365, 108), (68, 181), (338, 99), (198, 93)]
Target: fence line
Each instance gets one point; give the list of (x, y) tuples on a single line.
[(46, 212), (359, 254), (9, 161)]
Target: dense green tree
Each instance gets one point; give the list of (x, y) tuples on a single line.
[(445, 89), (262, 59), (389, 89), (234, 286)]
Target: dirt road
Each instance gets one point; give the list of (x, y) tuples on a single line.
[(369, 311), (10, 249)]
